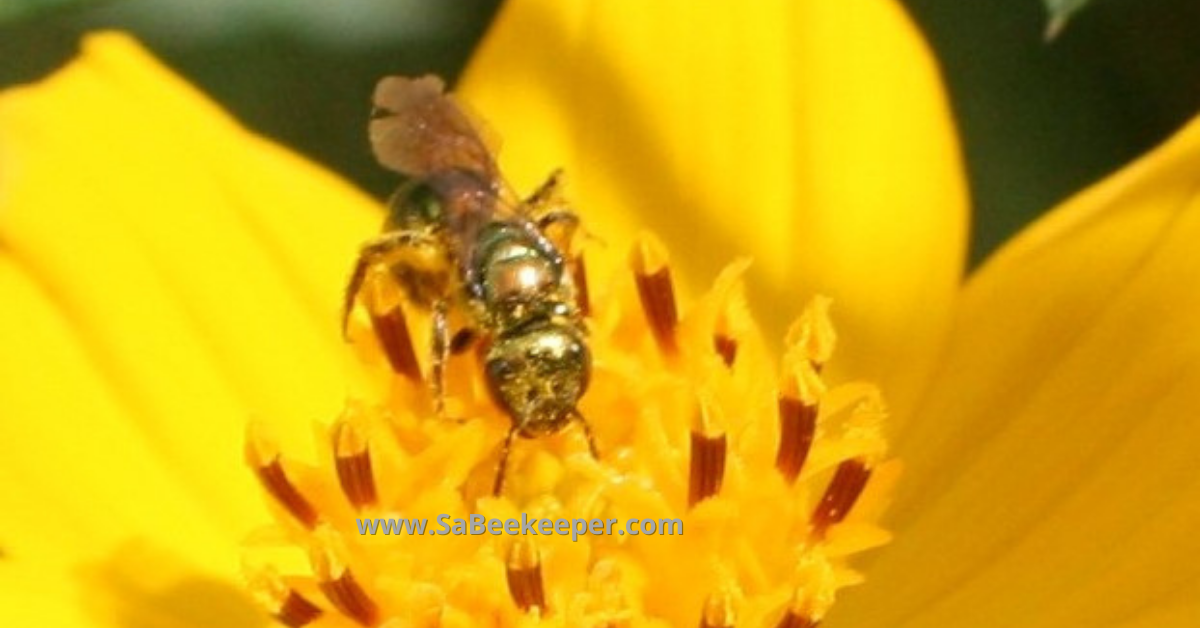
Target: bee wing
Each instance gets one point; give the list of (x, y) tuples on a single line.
[(418, 130)]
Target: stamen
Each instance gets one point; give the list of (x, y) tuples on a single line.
[(297, 611), (391, 328), (263, 456), (813, 335), (813, 598), (524, 574), (797, 426), (340, 587), (719, 611), (579, 278), (843, 490), (353, 461), (281, 600), (799, 396), (707, 467), (656, 291)]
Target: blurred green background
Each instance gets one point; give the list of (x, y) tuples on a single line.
[(1039, 119)]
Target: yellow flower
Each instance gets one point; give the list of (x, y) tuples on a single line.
[(166, 275)]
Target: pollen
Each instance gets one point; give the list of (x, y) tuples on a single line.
[(774, 474)]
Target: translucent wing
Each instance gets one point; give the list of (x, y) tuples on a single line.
[(419, 130)]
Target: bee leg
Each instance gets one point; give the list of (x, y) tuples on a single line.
[(352, 287), (587, 432), (567, 219), (373, 252), (547, 191), (441, 353), (502, 466)]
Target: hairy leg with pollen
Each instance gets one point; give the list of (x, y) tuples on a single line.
[(397, 252)]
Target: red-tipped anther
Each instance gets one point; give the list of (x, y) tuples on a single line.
[(797, 426), (656, 291), (352, 457), (391, 328), (579, 278), (524, 574), (295, 610), (792, 619), (707, 467), (346, 595), (843, 490), (337, 582), (343, 591), (263, 457)]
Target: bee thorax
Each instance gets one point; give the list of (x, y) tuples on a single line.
[(517, 272)]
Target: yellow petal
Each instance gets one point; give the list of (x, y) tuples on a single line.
[(166, 276), (80, 477), (813, 135), (35, 597), (1053, 465)]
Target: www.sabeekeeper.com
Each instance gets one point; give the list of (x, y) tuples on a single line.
[(478, 524)]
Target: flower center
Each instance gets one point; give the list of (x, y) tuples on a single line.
[(727, 489)]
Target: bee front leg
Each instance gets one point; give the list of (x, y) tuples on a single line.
[(549, 192), (502, 466), (587, 432), (564, 219), (352, 287), (441, 354)]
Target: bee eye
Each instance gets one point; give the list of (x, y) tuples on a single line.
[(426, 203), (416, 205)]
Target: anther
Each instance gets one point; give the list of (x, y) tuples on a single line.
[(707, 466), (391, 328), (352, 458), (263, 456), (340, 587), (656, 291), (282, 601), (524, 574), (797, 426), (296, 610), (847, 484), (579, 278), (719, 611), (799, 395)]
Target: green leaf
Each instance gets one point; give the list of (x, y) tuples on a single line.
[(17, 10), (1061, 11)]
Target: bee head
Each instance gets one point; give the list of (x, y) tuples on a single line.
[(537, 373)]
